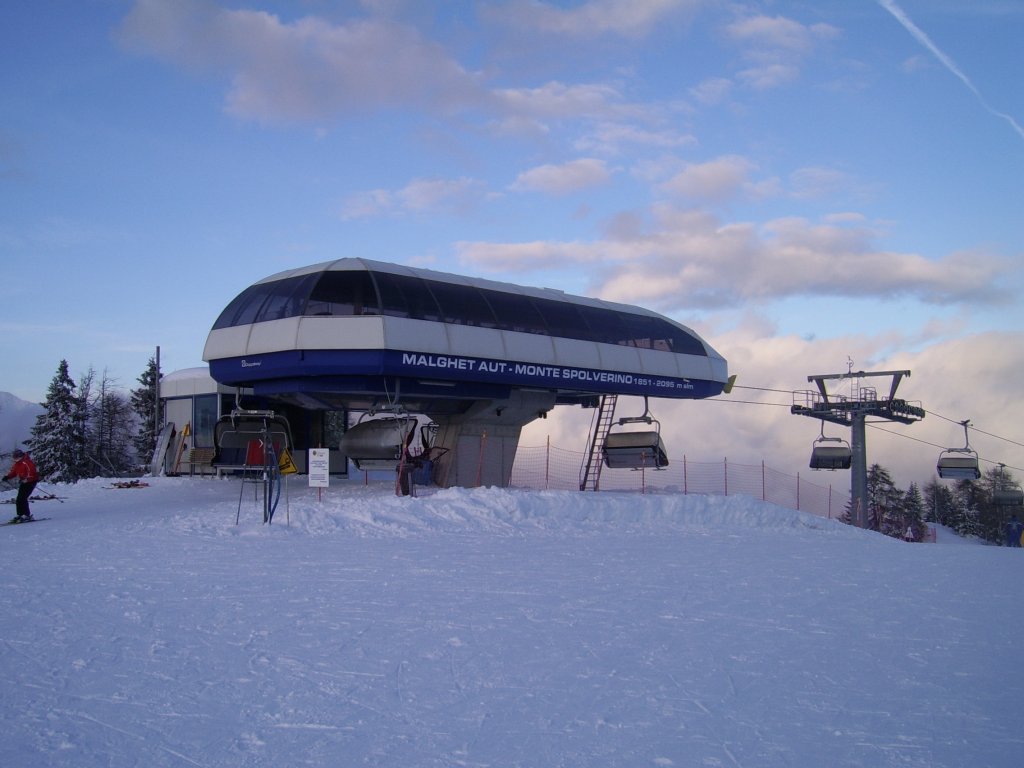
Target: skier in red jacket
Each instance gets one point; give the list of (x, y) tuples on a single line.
[(25, 470)]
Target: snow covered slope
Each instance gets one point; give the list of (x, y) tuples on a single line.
[(142, 627)]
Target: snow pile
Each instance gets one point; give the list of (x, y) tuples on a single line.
[(495, 627)]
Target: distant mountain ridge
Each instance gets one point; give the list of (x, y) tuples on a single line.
[(17, 417)]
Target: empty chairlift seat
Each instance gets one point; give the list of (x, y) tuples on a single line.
[(957, 464), (378, 443), (635, 450), (831, 453), (1008, 497)]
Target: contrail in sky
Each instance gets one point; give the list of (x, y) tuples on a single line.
[(947, 62)]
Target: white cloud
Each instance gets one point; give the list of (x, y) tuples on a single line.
[(629, 18), (611, 138), (689, 259), (558, 100), (523, 257), (563, 179), (418, 196), (815, 182), (305, 69), (769, 38), (714, 90), (776, 47), (768, 76), (716, 181), (313, 69)]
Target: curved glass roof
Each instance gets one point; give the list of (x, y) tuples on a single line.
[(348, 293)]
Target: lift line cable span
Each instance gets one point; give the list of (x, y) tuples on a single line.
[(873, 425), (935, 445)]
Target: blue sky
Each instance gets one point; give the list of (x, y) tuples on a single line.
[(805, 183)]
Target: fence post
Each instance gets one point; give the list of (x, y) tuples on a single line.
[(547, 464), (830, 501), (686, 488), (480, 459), (726, 471), (797, 491), (764, 491)]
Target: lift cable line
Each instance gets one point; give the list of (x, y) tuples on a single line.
[(979, 431), (928, 412), (937, 445), (795, 394)]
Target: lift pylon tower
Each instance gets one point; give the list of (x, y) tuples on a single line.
[(852, 411)]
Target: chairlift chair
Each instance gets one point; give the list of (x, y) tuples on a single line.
[(643, 449), (830, 453), (378, 443), (1009, 493), (1008, 497), (239, 437), (959, 463)]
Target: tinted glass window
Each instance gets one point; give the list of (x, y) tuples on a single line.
[(564, 320), (288, 299), (402, 296), (607, 325), (462, 304), (515, 313), (244, 308), (343, 294), (654, 333)]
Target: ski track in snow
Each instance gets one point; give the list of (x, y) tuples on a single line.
[(142, 627)]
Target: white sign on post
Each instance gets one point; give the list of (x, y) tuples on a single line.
[(319, 467)]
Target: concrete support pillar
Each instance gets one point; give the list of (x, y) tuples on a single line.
[(481, 443)]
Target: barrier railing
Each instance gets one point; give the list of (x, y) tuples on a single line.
[(547, 467)]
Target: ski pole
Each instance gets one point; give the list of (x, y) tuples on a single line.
[(50, 494)]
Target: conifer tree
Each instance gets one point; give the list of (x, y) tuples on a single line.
[(885, 502), (938, 502), (58, 439), (913, 512), (143, 402), (965, 512)]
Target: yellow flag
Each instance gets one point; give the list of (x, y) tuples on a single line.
[(285, 463)]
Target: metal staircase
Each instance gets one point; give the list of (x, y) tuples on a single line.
[(591, 473)]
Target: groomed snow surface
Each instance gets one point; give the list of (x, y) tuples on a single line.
[(143, 627)]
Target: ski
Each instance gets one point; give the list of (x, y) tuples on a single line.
[(49, 497), (24, 522)]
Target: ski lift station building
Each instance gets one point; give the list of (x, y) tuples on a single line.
[(479, 358)]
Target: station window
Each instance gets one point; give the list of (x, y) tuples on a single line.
[(462, 304), (288, 299), (341, 294), (244, 307), (515, 313), (349, 293), (563, 319), (403, 296)]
